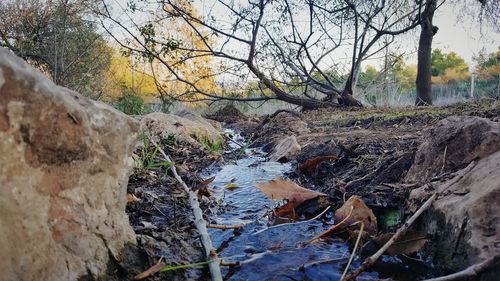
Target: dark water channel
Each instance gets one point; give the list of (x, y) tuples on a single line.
[(270, 252)]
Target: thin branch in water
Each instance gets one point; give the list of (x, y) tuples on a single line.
[(353, 251)]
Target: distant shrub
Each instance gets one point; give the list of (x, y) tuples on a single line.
[(131, 104)]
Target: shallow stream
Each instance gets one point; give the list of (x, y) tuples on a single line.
[(270, 252)]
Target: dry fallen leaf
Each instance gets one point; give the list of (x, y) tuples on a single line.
[(311, 165), (131, 198), (202, 187), (360, 213), (408, 243), (280, 188), (286, 211)]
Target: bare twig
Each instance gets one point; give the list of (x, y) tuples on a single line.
[(200, 223), (225, 226), (229, 263), (471, 271), (444, 158), (331, 229), (150, 271), (294, 223), (353, 251), (367, 263)]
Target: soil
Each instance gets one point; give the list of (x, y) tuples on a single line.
[(374, 147), (161, 215)]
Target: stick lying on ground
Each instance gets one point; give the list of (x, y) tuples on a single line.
[(217, 226), (471, 271), (199, 222), (368, 262)]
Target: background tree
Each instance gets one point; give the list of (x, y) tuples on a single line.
[(427, 32), (447, 68), (266, 40), (440, 62), (58, 38), (488, 72), (489, 12)]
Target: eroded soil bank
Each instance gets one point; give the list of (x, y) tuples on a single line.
[(374, 149)]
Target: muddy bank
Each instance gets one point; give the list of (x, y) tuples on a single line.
[(371, 152), (375, 150)]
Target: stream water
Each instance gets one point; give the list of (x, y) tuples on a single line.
[(270, 252)]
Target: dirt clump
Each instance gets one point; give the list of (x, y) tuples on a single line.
[(277, 127), (453, 143), (229, 114)]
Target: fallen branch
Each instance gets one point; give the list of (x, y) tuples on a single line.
[(370, 261), (199, 222), (217, 226), (471, 271), (229, 263)]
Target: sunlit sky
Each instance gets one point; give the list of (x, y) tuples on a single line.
[(458, 32)]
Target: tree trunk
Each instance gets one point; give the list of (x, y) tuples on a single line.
[(427, 32), (346, 98)]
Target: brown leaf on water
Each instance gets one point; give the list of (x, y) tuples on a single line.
[(408, 243), (202, 187), (360, 214), (206, 182), (286, 211), (312, 164), (280, 188), (150, 271)]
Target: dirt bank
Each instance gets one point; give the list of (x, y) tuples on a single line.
[(374, 150)]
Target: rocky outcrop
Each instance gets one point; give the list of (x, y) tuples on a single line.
[(64, 169), (465, 222), (190, 128), (452, 144)]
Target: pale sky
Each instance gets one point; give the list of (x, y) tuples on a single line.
[(464, 37), (457, 32)]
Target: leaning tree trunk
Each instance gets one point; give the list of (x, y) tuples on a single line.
[(427, 32)]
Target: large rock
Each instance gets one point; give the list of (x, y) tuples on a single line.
[(64, 167), (453, 143), (465, 223), (189, 127)]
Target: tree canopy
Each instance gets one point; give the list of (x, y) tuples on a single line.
[(60, 39)]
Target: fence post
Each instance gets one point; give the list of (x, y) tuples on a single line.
[(472, 86)]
